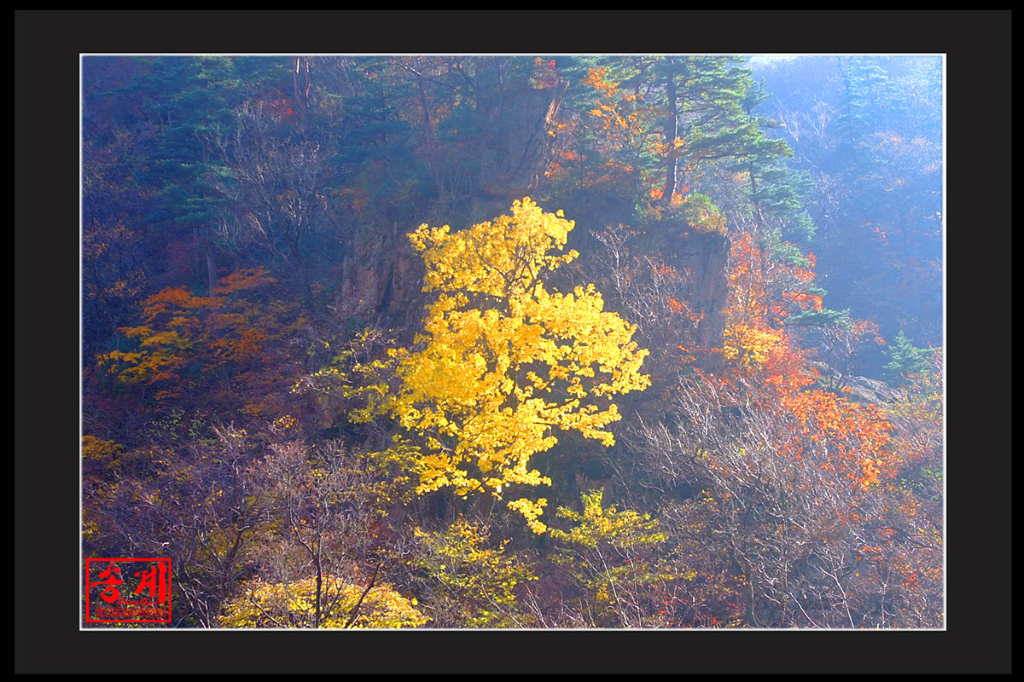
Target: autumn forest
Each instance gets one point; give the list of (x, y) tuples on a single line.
[(523, 341)]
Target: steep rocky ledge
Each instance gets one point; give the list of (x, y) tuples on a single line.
[(704, 258), (383, 275)]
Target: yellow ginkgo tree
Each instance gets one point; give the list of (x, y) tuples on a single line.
[(502, 363)]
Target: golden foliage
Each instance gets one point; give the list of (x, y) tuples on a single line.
[(503, 363), (478, 581), (612, 555), (292, 605)]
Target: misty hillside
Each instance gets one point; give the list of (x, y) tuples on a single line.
[(516, 341)]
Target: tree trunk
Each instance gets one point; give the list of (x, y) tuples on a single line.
[(436, 168), (211, 262), (319, 586), (671, 131), (300, 264)]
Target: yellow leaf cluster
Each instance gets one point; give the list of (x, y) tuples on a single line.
[(750, 345), (609, 553), (599, 525), (502, 363), (479, 578), (293, 605)]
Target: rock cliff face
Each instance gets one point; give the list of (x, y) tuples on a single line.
[(383, 275), (704, 258), (515, 151)]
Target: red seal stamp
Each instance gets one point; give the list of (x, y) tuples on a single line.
[(127, 590)]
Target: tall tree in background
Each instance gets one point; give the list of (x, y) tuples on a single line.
[(278, 177), (658, 119), (197, 96), (869, 132)]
